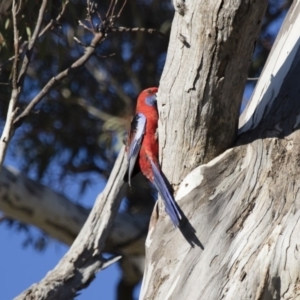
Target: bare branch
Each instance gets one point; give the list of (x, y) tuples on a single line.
[(141, 29), (50, 25), (106, 56), (17, 79), (79, 42), (99, 37), (31, 43), (109, 9), (99, 16), (91, 6), (16, 46), (113, 8), (11, 113), (53, 22), (120, 11), (32, 203), (86, 27), (77, 64), (84, 259)]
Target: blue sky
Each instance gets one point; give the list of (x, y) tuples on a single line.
[(21, 267)]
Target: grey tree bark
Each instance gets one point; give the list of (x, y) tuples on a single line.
[(203, 80), (32, 203), (240, 236), (244, 204), (84, 259)]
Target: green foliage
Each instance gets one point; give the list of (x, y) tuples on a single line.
[(81, 123), (79, 126)]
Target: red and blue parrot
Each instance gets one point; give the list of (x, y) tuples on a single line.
[(142, 150)]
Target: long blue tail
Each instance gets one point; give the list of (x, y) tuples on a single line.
[(170, 205)]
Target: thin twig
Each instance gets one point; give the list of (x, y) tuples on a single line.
[(120, 11), (99, 16), (114, 7), (99, 37), (43, 31), (18, 79), (53, 22), (104, 56), (85, 27), (90, 10), (109, 9), (31, 43), (136, 29), (79, 42), (77, 64), (16, 47)]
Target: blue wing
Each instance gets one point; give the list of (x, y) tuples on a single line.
[(170, 204), (136, 135)]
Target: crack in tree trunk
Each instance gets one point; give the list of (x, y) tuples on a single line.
[(244, 203)]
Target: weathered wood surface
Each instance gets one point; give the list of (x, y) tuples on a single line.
[(32, 203), (202, 84), (246, 212), (244, 204), (80, 264)]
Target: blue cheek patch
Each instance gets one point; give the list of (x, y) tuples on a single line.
[(151, 100)]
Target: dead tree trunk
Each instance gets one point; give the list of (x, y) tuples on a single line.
[(245, 203)]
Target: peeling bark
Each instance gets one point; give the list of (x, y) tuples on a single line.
[(247, 218), (244, 204), (203, 81)]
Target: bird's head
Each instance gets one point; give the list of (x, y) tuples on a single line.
[(148, 97)]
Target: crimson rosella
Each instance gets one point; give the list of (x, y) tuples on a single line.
[(142, 150)]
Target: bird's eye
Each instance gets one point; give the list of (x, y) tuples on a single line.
[(151, 100)]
